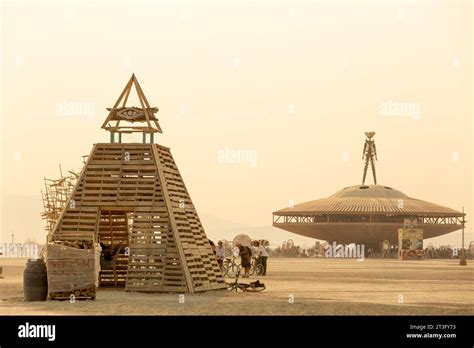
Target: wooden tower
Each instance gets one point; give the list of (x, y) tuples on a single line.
[(131, 197)]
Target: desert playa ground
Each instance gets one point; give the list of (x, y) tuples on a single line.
[(318, 287)]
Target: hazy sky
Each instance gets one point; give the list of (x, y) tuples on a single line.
[(294, 84)]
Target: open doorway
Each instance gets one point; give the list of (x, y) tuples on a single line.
[(113, 235)]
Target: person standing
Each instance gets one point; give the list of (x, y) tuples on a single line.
[(262, 256), (220, 253), (245, 258)]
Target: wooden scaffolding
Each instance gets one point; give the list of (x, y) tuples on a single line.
[(131, 197), (54, 196)]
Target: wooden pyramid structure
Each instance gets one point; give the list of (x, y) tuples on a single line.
[(131, 197)]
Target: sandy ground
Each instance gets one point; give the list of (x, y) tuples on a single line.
[(318, 286)]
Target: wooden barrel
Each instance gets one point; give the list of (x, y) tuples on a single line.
[(35, 281)]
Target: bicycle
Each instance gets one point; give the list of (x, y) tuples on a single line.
[(255, 267), (230, 268), (245, 287)]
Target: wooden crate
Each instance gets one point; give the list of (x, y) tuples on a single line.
[(72, 271)]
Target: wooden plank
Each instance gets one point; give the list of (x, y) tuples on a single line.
[(189, 281)]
